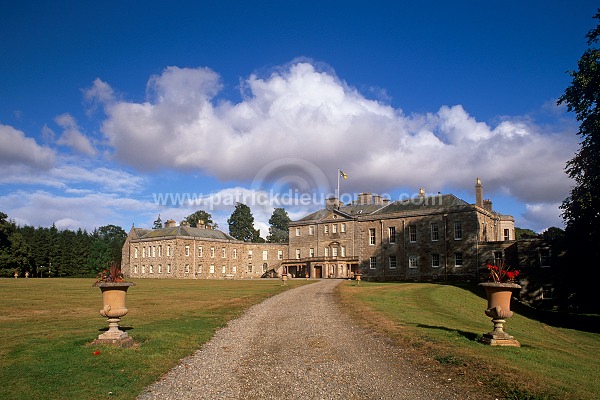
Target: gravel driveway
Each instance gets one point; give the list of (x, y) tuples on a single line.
[(300, 345)]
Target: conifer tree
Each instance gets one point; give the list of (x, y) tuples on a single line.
[(279, 226), (241, 224)]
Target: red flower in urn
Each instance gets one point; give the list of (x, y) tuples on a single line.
[(501, 273), (113, 274)]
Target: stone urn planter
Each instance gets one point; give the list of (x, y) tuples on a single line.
[(113, 308), (498, 308), (284, 279), (357, 276)]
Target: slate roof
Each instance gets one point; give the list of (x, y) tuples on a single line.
[(414, 204), (440, 202), (182, 231)]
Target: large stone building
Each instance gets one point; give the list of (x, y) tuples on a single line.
[(180, 251), (426, 238)]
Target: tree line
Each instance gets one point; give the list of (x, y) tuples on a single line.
[(53, 252)]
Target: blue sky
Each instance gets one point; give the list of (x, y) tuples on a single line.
[(109, 108)]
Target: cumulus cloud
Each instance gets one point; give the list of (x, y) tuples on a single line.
[(302, 112), (17, 150), (72, 135)]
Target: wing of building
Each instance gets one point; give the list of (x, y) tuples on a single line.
[(437, 237), (180, 251)]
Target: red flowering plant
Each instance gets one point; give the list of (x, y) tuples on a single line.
[(112, 274), (501, 273)]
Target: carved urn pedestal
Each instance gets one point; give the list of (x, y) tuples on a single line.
[(113, 301), (498, 296)]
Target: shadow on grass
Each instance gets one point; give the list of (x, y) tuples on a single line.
[(123, 328), (468, 335), (557, 319)]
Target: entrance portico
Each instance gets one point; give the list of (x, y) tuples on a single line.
[(321, 267)]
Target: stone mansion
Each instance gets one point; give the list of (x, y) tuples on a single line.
[(426, 238)]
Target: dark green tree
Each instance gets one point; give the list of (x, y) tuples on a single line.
[(581, 210), (553, 234), (7, 229), (241, 224), (81, 247), (63, 264), (525, 233), (195, 219), (158, 223), (19, 258), (53, 250), (278, 226), (107, 246)]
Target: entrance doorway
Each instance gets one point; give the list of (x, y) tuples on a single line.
[(318, 271)]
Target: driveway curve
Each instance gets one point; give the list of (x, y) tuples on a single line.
[(299, 345)]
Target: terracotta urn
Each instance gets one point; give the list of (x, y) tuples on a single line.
[(498, 308), (113, 308), (357, 277)]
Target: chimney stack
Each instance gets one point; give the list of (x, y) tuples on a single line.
[(331, 203), (487, 205), (478, 193), (364, 198)]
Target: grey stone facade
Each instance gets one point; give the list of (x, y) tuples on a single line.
[(182, 252), (427, 238)]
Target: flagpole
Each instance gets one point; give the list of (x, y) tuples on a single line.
[(338, 188)]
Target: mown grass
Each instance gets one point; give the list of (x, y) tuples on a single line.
[(47, 325), (444, 322)]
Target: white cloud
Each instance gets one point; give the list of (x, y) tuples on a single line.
[(302, 113), (99, 93), (540, 217), (106, 179), (87, 212), (72, 136), (18, 150), (74, 176)]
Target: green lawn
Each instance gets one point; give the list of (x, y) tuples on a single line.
[(46, 326), (446, 321)]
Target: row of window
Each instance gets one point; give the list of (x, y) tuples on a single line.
[(413, 261), (326, 228), (151, 269), (328, 252), (199, 271), (151, 251), (412, 233)]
